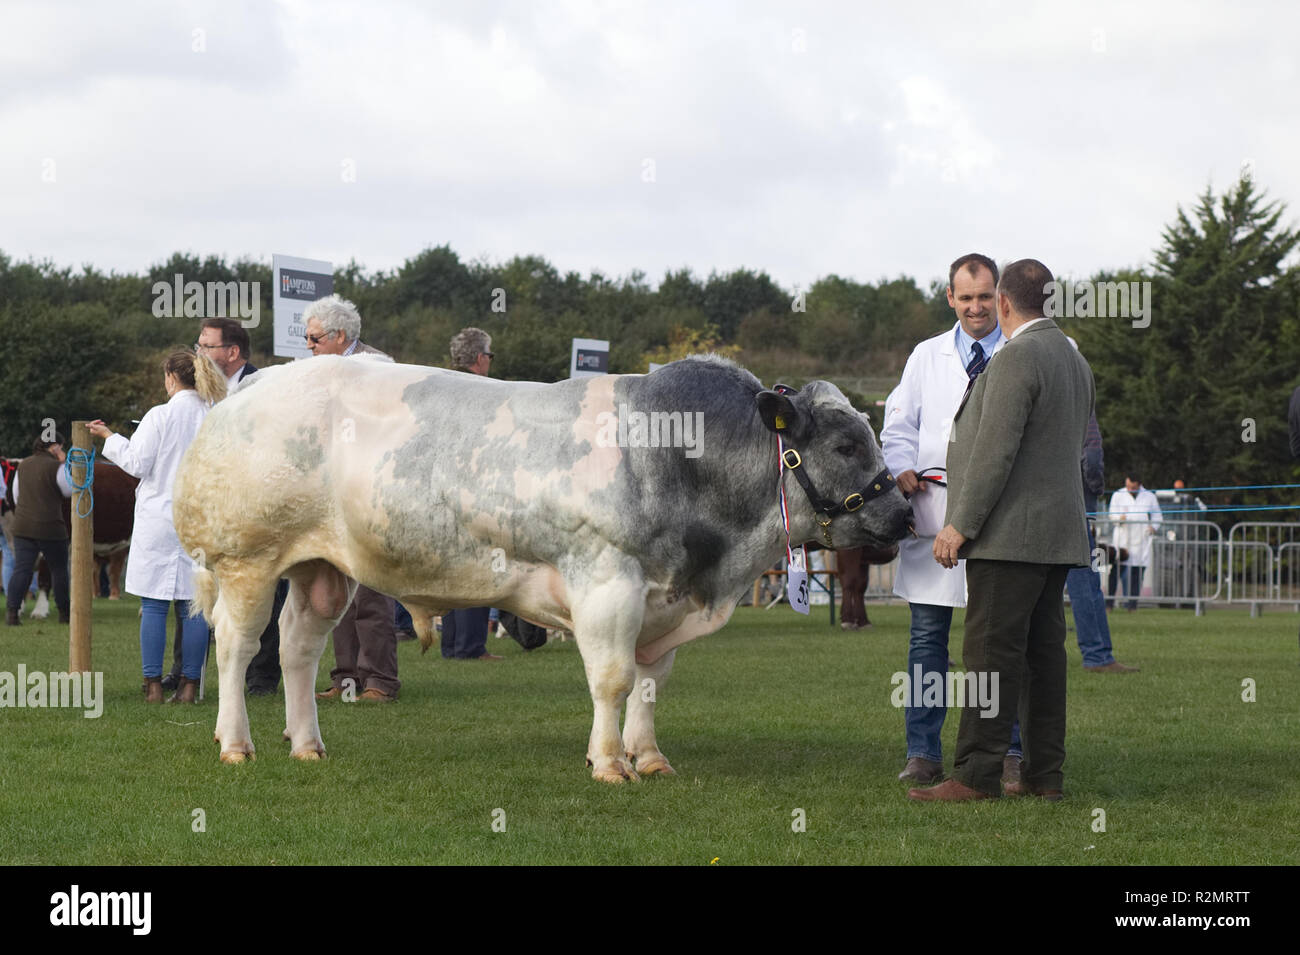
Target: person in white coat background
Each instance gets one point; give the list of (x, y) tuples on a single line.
[(1135, 515), (159, 571), (918, 418)]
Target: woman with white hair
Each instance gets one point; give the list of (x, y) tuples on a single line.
[(159, 570)]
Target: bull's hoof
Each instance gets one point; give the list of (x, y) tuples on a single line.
[(234, 757), (308, 755), (619, 771), (656, 764), (615, 776)]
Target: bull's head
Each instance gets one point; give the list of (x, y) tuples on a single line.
[(849, 498)]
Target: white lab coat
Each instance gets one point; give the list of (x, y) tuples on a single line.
[(918, 418), (1132, 515), (158, 566)]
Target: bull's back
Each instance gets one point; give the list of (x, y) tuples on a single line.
[(407, 462)]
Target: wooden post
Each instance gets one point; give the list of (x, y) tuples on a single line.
[(82, 560)]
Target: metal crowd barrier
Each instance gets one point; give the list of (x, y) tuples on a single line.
[(1186, 568), (1192, 565), (1264, 564)]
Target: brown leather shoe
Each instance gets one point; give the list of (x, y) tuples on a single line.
[(922, 771), (333, 693), (1010, 769), (489, 657), (1113, 667), (376, 695), (153, 692), (187, 691), (948, 791)]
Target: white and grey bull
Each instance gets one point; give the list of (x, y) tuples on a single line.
[(451, 490)]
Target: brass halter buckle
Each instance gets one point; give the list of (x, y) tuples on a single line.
[(825, 523), (788, 461)]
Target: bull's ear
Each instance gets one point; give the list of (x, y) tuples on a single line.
[(779, 413)]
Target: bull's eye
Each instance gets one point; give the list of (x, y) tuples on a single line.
[(847, 450)]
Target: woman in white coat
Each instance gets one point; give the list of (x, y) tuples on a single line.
[(159, 570)]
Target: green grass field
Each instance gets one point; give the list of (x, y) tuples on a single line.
[(773, 714)]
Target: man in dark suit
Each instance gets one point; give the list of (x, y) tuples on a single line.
[(226, 342), (1015, 513)]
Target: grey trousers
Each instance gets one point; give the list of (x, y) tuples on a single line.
[(365, 644), (1015, 627)]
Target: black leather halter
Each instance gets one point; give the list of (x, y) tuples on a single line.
[(826, 509)]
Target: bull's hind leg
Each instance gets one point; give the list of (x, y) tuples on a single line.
[(639, 728), (242, 611), (606, 620), (318, 596)]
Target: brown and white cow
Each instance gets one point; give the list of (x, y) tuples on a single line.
[(114, 517), (565, 503)]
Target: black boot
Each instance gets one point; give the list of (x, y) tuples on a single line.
[(11, 616)]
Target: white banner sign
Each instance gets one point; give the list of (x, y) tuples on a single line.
[(298, 283), (590, 357)]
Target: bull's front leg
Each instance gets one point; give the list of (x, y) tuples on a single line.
[(639, 728), (606, 622)]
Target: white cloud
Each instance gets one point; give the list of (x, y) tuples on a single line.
[(870, 143)]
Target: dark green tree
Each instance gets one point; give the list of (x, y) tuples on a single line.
[(1201, 392)]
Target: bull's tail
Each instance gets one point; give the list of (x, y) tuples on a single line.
[(423, 624), (205, 594)]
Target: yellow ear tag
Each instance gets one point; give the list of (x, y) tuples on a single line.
[(780, 423)]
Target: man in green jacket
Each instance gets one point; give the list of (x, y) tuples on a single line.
[(1015, 513)]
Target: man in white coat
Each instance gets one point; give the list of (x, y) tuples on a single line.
[(1135, 515), (918, 417)]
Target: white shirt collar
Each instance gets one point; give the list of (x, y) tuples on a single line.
[(1029, 324)]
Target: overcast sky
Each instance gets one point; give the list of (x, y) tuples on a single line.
[(864, 139)]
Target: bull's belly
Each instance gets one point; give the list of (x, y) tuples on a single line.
[(532, 589), (536, 592)]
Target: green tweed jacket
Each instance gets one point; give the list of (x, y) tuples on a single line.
[(1015, 489)]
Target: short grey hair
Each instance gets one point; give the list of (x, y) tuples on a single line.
[(468, 345), (335, 314)]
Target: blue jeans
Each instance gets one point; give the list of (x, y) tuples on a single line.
[(402, 617), (464, 633), (1091, 628), (26, 550), (1130, 576), (928, 647), (153, 638), (7, 570), (6, 563)]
